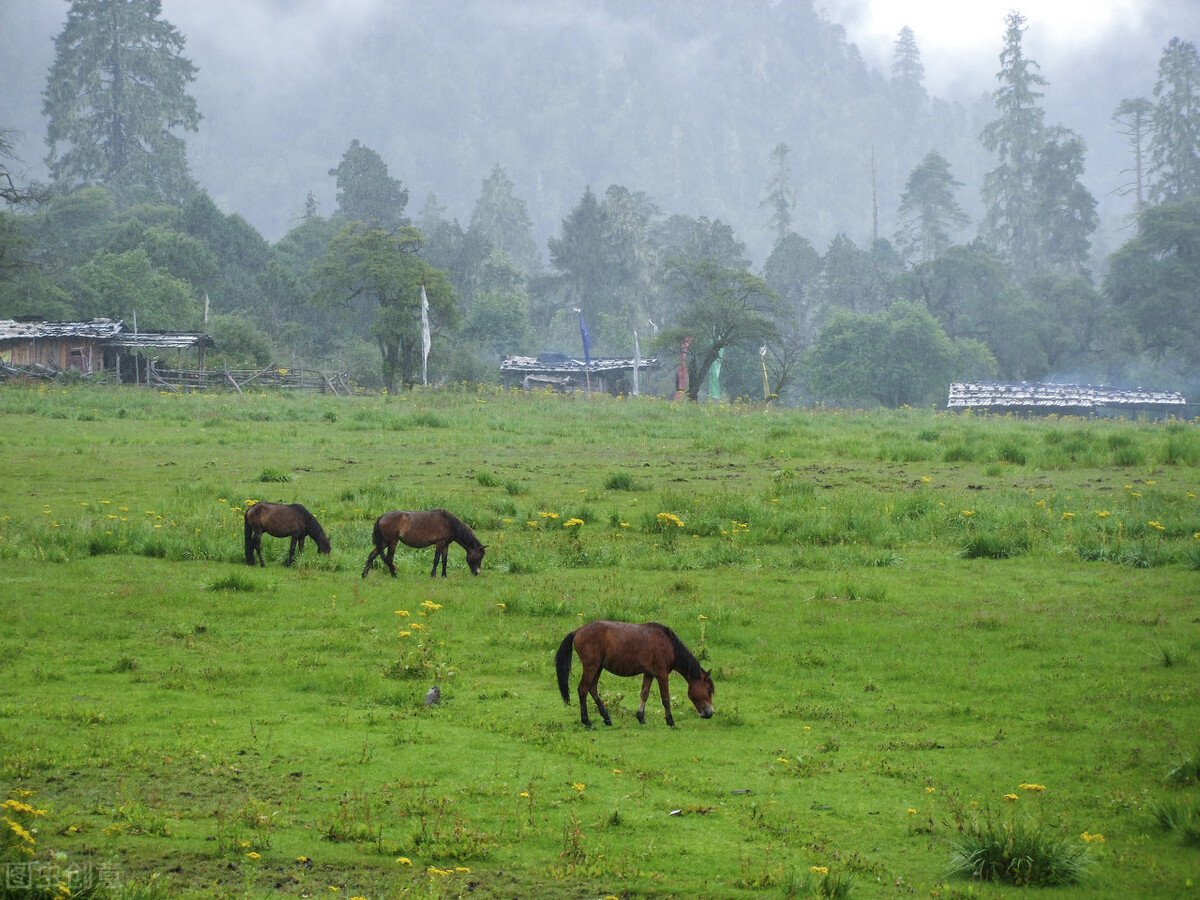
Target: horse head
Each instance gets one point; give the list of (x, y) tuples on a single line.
[(475, 558), (700, 692), (317, 533)]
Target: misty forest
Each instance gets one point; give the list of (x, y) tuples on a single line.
[(978, 258)]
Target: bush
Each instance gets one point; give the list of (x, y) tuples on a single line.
[(1016, 852)]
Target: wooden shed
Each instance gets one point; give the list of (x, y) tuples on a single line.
[(557, 371), (1062, 399), (35, 344)]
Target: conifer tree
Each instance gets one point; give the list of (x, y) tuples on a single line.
[(908, 73), (928, 211), (1135, 119), (115, 95), (1038, 213), (365, 190), (1175, 143)]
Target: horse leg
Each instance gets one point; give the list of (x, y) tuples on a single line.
[(437, 554), (445, 557), (291, 553), (664, 689), (647, 680), (258, 547), (390, 559), (370, 560), (594, 689)]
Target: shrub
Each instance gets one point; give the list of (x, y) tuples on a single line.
[(1017, 852), (620, 481)]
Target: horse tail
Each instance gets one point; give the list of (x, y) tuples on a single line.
[(562, 664), (249, 539), (377, 536)]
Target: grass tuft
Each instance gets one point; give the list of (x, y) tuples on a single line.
[(1018, 852)]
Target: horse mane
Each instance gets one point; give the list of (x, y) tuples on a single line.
[(461, 532), (685, 661), (311, 526)]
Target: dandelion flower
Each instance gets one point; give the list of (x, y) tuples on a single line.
[(404, 860), (254, 855), (1033, 788), (1011, 798), (820, 870)]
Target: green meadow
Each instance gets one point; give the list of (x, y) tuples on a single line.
[(927, 631)]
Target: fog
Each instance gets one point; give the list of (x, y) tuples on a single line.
[(677, 100)]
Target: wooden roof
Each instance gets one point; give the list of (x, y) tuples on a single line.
[(561, 364), (110, 332), (38, 329), (1051, 397)]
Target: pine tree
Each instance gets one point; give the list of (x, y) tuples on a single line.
[(365, 190), (928, 210), (908, 73), (1038, 213), (502, 220), (1135, 119), (116, 91), (1175, 144), (781, 193)]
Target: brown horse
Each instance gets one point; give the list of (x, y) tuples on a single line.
[(282, 520), (650, 650), (420, 529)]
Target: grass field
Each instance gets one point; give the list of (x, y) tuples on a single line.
[(923, 628)]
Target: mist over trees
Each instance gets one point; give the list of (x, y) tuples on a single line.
[(988, 268)]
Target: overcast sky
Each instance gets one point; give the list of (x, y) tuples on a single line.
[(1090, 52)]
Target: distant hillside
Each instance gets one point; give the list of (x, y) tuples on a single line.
[(681, 100)]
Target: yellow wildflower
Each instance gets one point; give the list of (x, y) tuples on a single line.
[(1033, 788), (1011, 798)]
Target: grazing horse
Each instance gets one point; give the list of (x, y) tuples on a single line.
[(282, 520), (650, 650), (420, 529)]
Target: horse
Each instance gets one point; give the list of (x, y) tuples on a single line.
[(281, 520), (650, 650), (420, 529)]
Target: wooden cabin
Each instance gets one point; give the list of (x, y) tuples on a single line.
[(1062, 399), (34, 346), (559, 372)]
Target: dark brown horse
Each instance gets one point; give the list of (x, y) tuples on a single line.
[(650, 650), (282, 520), (420, 529)]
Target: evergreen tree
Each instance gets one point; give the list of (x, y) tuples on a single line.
[(908, 74), (1038, 213), (928, 211), (1015, 137), (502, 220), (1175, 143), (365, 191), (1135, 120), (117, 88), (781, 193)]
